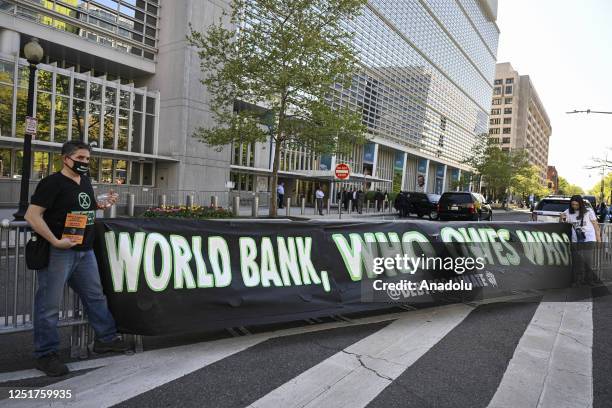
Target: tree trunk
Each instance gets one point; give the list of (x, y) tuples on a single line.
[(274, 196)]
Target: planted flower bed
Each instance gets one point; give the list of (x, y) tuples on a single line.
[(195, 212)]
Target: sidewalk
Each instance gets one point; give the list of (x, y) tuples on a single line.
[(309, 212)]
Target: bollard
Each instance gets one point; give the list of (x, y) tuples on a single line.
[(162, 200), (367, 206), (255, 207), (131, 203), (303, 206), (110, 212), (236, 207), (189, 201), (214, 201), (350, 207), (316, 207), (288, 207), (328, 206)]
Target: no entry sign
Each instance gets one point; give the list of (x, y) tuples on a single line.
[(342, 171)]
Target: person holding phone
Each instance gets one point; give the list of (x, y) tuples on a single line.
[(68, 191), (585, 234)]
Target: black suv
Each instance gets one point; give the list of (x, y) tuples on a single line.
[(421, 204), (464, 206)]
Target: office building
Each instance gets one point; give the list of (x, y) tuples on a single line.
[(119, 74), (518, 118)]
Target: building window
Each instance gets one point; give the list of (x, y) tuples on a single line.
[(507, 130), (497, 90), (507, 121), (497, 101), (498, 82), (494, 131), (135, 173), (508, 111), (147, 174), (505, 149), (508, 90), (495, 140), (242, 181), (508, 100), (509, 80), (495, 111), (506, 140), (494, 121), (5, 163)]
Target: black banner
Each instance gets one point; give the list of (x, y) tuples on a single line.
[(166, 276)]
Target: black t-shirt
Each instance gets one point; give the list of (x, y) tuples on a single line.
[(61, 195)]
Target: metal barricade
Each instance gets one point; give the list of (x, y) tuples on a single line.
[(18, 287), (602, 262)]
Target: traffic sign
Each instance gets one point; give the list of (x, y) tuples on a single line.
[(342, 171), (31, 125)]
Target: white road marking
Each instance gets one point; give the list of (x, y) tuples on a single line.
[(128, 376), (357, 374), (552, 365)]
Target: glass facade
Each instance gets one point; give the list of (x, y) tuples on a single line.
[(428, 74), (120, 119), (127, 25)]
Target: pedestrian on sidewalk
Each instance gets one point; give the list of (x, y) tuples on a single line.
[(319, 195), (379, 198), (360, 200), (280, 192), (585, 235), (68, 191), (602, 212)]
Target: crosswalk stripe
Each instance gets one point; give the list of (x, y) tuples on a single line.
[(357, 374), (134, 375), (552, 364)]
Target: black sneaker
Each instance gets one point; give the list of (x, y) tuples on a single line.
[(117, 345), (51, 365)]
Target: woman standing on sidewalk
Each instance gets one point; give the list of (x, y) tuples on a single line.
[(585, 233)]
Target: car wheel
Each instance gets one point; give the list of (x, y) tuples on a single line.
[(433, 215), (420, 215)]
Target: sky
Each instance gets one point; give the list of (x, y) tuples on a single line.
[(565, 46)]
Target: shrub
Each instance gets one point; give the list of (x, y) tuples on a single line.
[(194, 212)]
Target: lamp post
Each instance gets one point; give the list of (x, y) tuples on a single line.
[(33, 53)]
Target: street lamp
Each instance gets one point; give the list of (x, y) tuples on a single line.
[(34, 54)]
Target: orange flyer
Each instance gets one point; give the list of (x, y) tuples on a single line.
[(74, 227)]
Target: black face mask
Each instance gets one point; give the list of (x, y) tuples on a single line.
[(80, 167)]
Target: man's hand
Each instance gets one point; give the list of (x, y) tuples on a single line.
[(64, 243)]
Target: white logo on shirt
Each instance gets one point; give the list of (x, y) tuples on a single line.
[(84, 200)]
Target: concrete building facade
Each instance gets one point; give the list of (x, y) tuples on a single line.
[(120, 74), (518, 118)]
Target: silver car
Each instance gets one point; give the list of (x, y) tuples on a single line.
[(548, 209)]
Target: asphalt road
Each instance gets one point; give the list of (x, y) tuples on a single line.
[(546, 351)]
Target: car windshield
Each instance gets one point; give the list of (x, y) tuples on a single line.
[(457, 198), (434, 198), (553, 205)]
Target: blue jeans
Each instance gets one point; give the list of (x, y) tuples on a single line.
[(80, 270)]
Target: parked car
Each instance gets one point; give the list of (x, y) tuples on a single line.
[(423, 204), (464, 206), (549, 208)]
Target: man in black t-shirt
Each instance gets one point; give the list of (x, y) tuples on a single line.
[(64, 192)]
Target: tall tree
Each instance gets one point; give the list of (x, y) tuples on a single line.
[(566, 188), (496, 167), (528, 182), (270, 74)]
